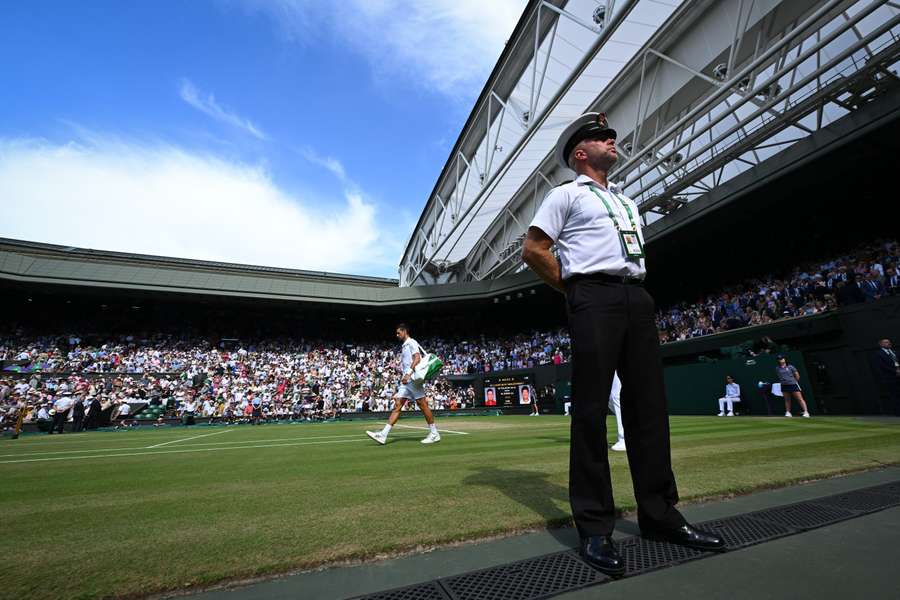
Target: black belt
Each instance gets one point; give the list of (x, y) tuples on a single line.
[(605, 277)]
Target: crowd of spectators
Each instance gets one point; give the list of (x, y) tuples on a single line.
[(269, 381), (315, 379), (866, 274)]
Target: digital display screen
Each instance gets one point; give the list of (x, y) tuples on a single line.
[(509, 390)]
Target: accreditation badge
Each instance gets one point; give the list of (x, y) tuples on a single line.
[(632, 244)]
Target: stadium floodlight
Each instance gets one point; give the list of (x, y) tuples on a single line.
[(720, 72), (770, 92), (668, 205), (672, 161)]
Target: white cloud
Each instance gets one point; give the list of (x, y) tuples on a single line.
[(330, 163), (112, 194), (206, 103), (445, 45)]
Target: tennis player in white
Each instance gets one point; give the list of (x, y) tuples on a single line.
[(616, 407), (410, 355)]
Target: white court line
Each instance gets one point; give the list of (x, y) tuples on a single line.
[(257, 441), (426, 429), (183, 451), (190, 438), (232, 443)]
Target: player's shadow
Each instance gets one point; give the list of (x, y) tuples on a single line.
[(532, 490)]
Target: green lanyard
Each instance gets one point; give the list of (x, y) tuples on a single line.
[(612, 216)]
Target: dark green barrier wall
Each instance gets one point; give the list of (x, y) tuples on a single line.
[(695, 389)]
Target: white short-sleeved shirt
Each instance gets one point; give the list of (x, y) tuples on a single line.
[(578, 223), (410, 347)]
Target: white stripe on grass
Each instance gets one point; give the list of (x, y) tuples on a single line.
[(183, 451), (196, 437), (427, 429), (230, 443)]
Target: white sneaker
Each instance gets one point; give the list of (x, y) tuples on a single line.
[(787, 414), (731, 414), (432, 438), (618, 446), (377, 436), (806, 415), (721, 414)]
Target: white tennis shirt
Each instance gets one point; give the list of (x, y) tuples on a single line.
[(587, 239)]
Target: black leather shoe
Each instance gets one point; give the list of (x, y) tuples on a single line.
[(688, 536), (600, 552)]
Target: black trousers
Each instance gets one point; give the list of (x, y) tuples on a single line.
[(613, 328), (59, 422)]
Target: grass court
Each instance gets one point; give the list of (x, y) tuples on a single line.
[(132, 513)]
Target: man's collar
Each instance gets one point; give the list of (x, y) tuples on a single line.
[(585, 180)]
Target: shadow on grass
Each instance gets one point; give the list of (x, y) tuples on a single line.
[(533, 491)]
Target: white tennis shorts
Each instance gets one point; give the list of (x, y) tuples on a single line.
[(411, 391)]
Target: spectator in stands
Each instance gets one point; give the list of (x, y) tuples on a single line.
[(888, 368), (789, 378), (891, 282), (732, 395), (849, 292), (872, 287), (78, 414)]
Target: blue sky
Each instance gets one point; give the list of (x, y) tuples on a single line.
[(298, 133)]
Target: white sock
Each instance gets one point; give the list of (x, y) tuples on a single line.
[(433, 428), (386, 430)]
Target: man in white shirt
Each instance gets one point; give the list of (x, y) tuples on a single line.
[(410, 355), (732, 395), (61, 407), (597, 233), (43, 414), (123, 411)]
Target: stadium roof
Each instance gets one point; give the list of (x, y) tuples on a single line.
[(43, 264)]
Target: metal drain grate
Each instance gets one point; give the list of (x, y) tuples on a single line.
[(642, 555), (888, 489), (803, 516), (742, 531), (525, 580), (861, 501), (553, 574), (424, 591)]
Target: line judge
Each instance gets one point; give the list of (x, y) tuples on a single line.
[(597, 233)]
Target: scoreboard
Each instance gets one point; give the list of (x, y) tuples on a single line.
[(508, 390)]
